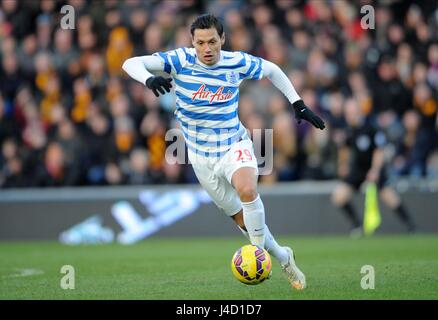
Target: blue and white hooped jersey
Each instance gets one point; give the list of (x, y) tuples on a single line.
[(207, 97)]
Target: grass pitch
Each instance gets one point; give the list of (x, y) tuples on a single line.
[(406, 267)]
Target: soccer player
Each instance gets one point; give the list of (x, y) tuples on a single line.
[(207, 83), (363, 156)]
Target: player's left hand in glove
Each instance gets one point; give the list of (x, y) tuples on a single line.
[(304, 113), (159, 84)]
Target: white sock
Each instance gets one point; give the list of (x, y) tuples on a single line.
[(271, 246), (274, 248), (254, 220)]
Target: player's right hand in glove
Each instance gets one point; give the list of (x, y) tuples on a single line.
[(304, 113), (158, 84)]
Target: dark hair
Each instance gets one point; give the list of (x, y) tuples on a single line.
[(207, 21)]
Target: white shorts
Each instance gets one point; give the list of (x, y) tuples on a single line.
[(214, 174)]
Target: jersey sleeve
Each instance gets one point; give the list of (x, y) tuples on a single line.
[(173, 60), (253, 68)]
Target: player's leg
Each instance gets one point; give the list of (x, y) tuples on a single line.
[(393, 201), (271, 245), (244, 180), (341, 198), (252, 217), (284, 255), (239, 167)]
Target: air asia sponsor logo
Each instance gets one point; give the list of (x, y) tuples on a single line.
[(206, 94)]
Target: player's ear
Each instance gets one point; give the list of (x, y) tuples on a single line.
[(223, 39)]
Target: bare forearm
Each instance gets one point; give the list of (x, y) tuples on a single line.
[(343, 161), (378, 160)]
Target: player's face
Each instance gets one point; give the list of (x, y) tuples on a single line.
[(208, 44)]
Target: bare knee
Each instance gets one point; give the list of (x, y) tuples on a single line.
[(244, 181), (390, 197), (341, 195), (247, 193)]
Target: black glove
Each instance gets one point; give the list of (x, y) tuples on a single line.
[(302, 112), (157, 84)]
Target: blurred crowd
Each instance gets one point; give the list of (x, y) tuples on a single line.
[(69, 115)]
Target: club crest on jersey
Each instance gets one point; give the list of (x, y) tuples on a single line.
[(218, 96), (232, 77)]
